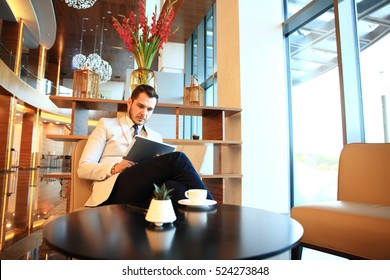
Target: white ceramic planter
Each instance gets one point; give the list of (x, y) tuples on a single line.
[(160, 212)]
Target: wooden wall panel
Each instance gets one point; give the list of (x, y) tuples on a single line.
[(215, 186), (33, 61), (25, 155), (9, 35), (52, 74), (212, 125), (22, 195), (9, 38), (5, 112)]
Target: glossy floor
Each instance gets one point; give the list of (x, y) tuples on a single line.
[(45, 199)]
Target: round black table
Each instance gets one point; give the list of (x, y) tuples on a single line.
[(220, 232)]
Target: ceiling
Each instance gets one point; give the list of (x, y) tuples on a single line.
[(189, 14)]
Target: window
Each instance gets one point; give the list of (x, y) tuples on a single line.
[(374, 38), (317, 124), (316, 114), (202, 65)]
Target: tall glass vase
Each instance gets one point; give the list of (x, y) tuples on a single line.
[(142, 76)]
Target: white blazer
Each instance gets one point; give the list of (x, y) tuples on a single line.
[(105, 146)]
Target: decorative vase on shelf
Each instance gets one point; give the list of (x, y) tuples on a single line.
[(142, 76)]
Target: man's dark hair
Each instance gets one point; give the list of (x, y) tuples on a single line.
[(149, 90)]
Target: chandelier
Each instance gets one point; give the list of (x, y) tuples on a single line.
[(80, 4), (94, 61)]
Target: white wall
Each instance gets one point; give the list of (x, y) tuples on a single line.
[(171, 58), (265, 159)]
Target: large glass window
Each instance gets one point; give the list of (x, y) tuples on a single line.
[(194, 64), (295, 5), (209, 37), (317, 125), (201, 59), (374, 38), (210, 69), (316, 114)]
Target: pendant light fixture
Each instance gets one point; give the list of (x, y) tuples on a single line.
[(80, 4), (95, 61), (79, 60), (105, 67)]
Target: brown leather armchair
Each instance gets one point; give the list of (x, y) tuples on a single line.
[(357, 225)]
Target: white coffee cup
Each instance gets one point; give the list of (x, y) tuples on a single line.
[(196, 196)]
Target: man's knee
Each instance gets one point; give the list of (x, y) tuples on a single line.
[(180, 155)]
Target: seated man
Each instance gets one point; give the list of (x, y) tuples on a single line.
[(120, 181)]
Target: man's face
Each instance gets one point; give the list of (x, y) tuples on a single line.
[(141, 109)]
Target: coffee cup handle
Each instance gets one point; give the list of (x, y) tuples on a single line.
[(186, 194)]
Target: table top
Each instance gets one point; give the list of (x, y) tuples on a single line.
[(219, 232)]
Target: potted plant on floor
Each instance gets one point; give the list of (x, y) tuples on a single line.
[(161, 209)]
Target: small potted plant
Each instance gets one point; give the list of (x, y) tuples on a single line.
[(161, 209)]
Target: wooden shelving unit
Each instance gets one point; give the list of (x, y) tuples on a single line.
[(216, 131)]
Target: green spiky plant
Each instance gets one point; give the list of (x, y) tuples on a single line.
[(161, 193)]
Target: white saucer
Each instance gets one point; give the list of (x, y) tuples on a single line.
[(187, 202)]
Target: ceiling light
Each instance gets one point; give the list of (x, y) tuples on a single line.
[(80, 4), (94, 61), (78, 61)]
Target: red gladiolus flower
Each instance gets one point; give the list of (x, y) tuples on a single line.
[(142, 40)]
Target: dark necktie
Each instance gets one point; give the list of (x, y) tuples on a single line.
[(135, 130)]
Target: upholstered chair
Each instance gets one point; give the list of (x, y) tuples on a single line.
[(357, 225)]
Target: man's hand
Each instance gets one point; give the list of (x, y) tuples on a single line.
[(120, 166)]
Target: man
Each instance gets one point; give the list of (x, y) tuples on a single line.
[(120, 181)]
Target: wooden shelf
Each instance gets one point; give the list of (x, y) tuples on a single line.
[(66, 138), (121, 105), (202, 142), (90, 103), (220, 176), (75, 138), (188, 110)]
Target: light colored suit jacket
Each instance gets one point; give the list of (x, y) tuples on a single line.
[(105, 146)]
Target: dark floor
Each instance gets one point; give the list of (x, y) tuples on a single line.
[(49, 199), (30, 247)]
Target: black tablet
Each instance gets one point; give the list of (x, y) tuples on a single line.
[(142, 148)]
